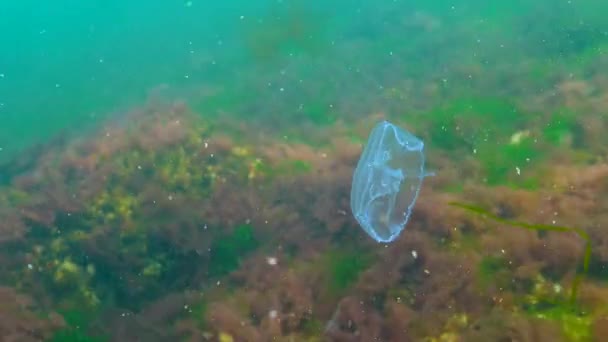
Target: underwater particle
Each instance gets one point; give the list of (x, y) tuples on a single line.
[(273, 314), (518, 137), (188, 4), (387, 180), (414, 254), (557, 288), (272, 261)]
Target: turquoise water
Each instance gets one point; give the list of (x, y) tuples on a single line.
[(182, 170), (67, 66)]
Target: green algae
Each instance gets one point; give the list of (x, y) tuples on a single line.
[(293, 167), (576, 327), (470, 123), (342, 268), (492, 132), (227, 251), (492, 270), (564, 129), (545, 302), (78, 323), (510, 164), (199, 313), (320, 113)]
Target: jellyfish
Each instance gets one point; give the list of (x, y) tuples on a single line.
[(387, 181)]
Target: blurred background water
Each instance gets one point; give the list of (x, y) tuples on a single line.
[(68, 65), (509, 97)]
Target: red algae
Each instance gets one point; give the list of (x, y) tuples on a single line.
[(149, 206)]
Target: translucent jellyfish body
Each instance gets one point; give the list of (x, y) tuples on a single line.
[(387, 180)]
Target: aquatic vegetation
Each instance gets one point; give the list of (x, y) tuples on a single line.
[(320, 113), (474, 123), (11, 196), (564, 129), (225, 337), (78, 323), (294, 167), (343, 269), (114, 206), (228, 250), (512, 163), (575, 326), (386, 181), (540, 228), (545, 302), (493, 270), (451, 329), (496, 132), (74, 335), (22, 318)]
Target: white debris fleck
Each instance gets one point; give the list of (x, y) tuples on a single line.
[(518, 137), (557, 288), (427, 271), (272, 261), (273, 314), (414, 254), (30, 266), (518, 170)]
